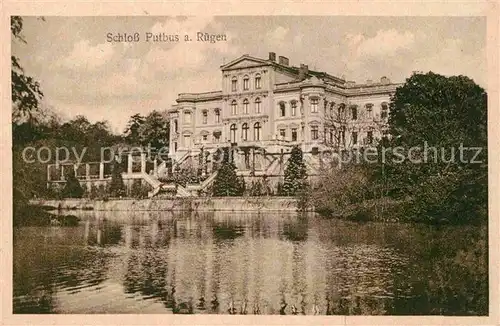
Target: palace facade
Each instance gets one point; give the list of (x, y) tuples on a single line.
[(271, 105)]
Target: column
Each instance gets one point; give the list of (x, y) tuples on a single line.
[(101, 170), (62, 172), (87, 171), (129, 163), (155, 167), (143, 162)]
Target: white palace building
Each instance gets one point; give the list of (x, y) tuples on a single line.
[(268, 105), (265, 108)]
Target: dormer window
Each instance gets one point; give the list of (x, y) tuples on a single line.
[(257, 81), (246, 83), (234, 84), (234, 107)]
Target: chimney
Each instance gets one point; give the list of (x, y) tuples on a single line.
[(272, 56), (369, 81), (385, 80), (303, 71), (283, 60), (350, 83)]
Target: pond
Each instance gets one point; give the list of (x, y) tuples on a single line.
[(248, 263)]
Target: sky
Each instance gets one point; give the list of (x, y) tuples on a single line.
[(81, 73)]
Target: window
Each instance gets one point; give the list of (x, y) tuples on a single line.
[(205, 117), (232, 134), (246, 83), (257, 105), (234, 84), (314, 105), (256, 131), (384, 112), (234, 107), (204, 138), (187, 140), (257, 81), (341, 111), (354, 138), (314, 132), (294, 134), (216, 135), (331, 136), (342, 135), (354, 112), (244, 132), (369, 137), (175, 147), (176, 126), (282, 133), (245, 106), (217, 116), (293, 106), (332, 108), (369, 111), (187, 117), (282, 109)]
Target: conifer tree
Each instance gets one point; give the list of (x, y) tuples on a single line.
[(295, 173), (226, 182), (116, 187), (72, 188)]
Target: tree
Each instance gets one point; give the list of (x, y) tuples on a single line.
[(226, 182), (116, 187), (155, 130), (72, 188), (134, 124), (442, 113), (295, 173)]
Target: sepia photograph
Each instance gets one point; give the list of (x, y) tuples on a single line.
[(250, 165)]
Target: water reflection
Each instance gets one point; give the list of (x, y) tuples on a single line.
[(235, 263)]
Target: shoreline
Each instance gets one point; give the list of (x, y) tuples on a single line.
[(263, 204)]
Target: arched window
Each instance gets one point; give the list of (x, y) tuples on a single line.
[(282, 109), (257, 105), (293, 108), (341, 111), (245, 106), (246, 83), (384, 113), (244, 132), (332, 108), (256, 131), (234, 107), (234, 84), (257, 81), (232, 134)]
